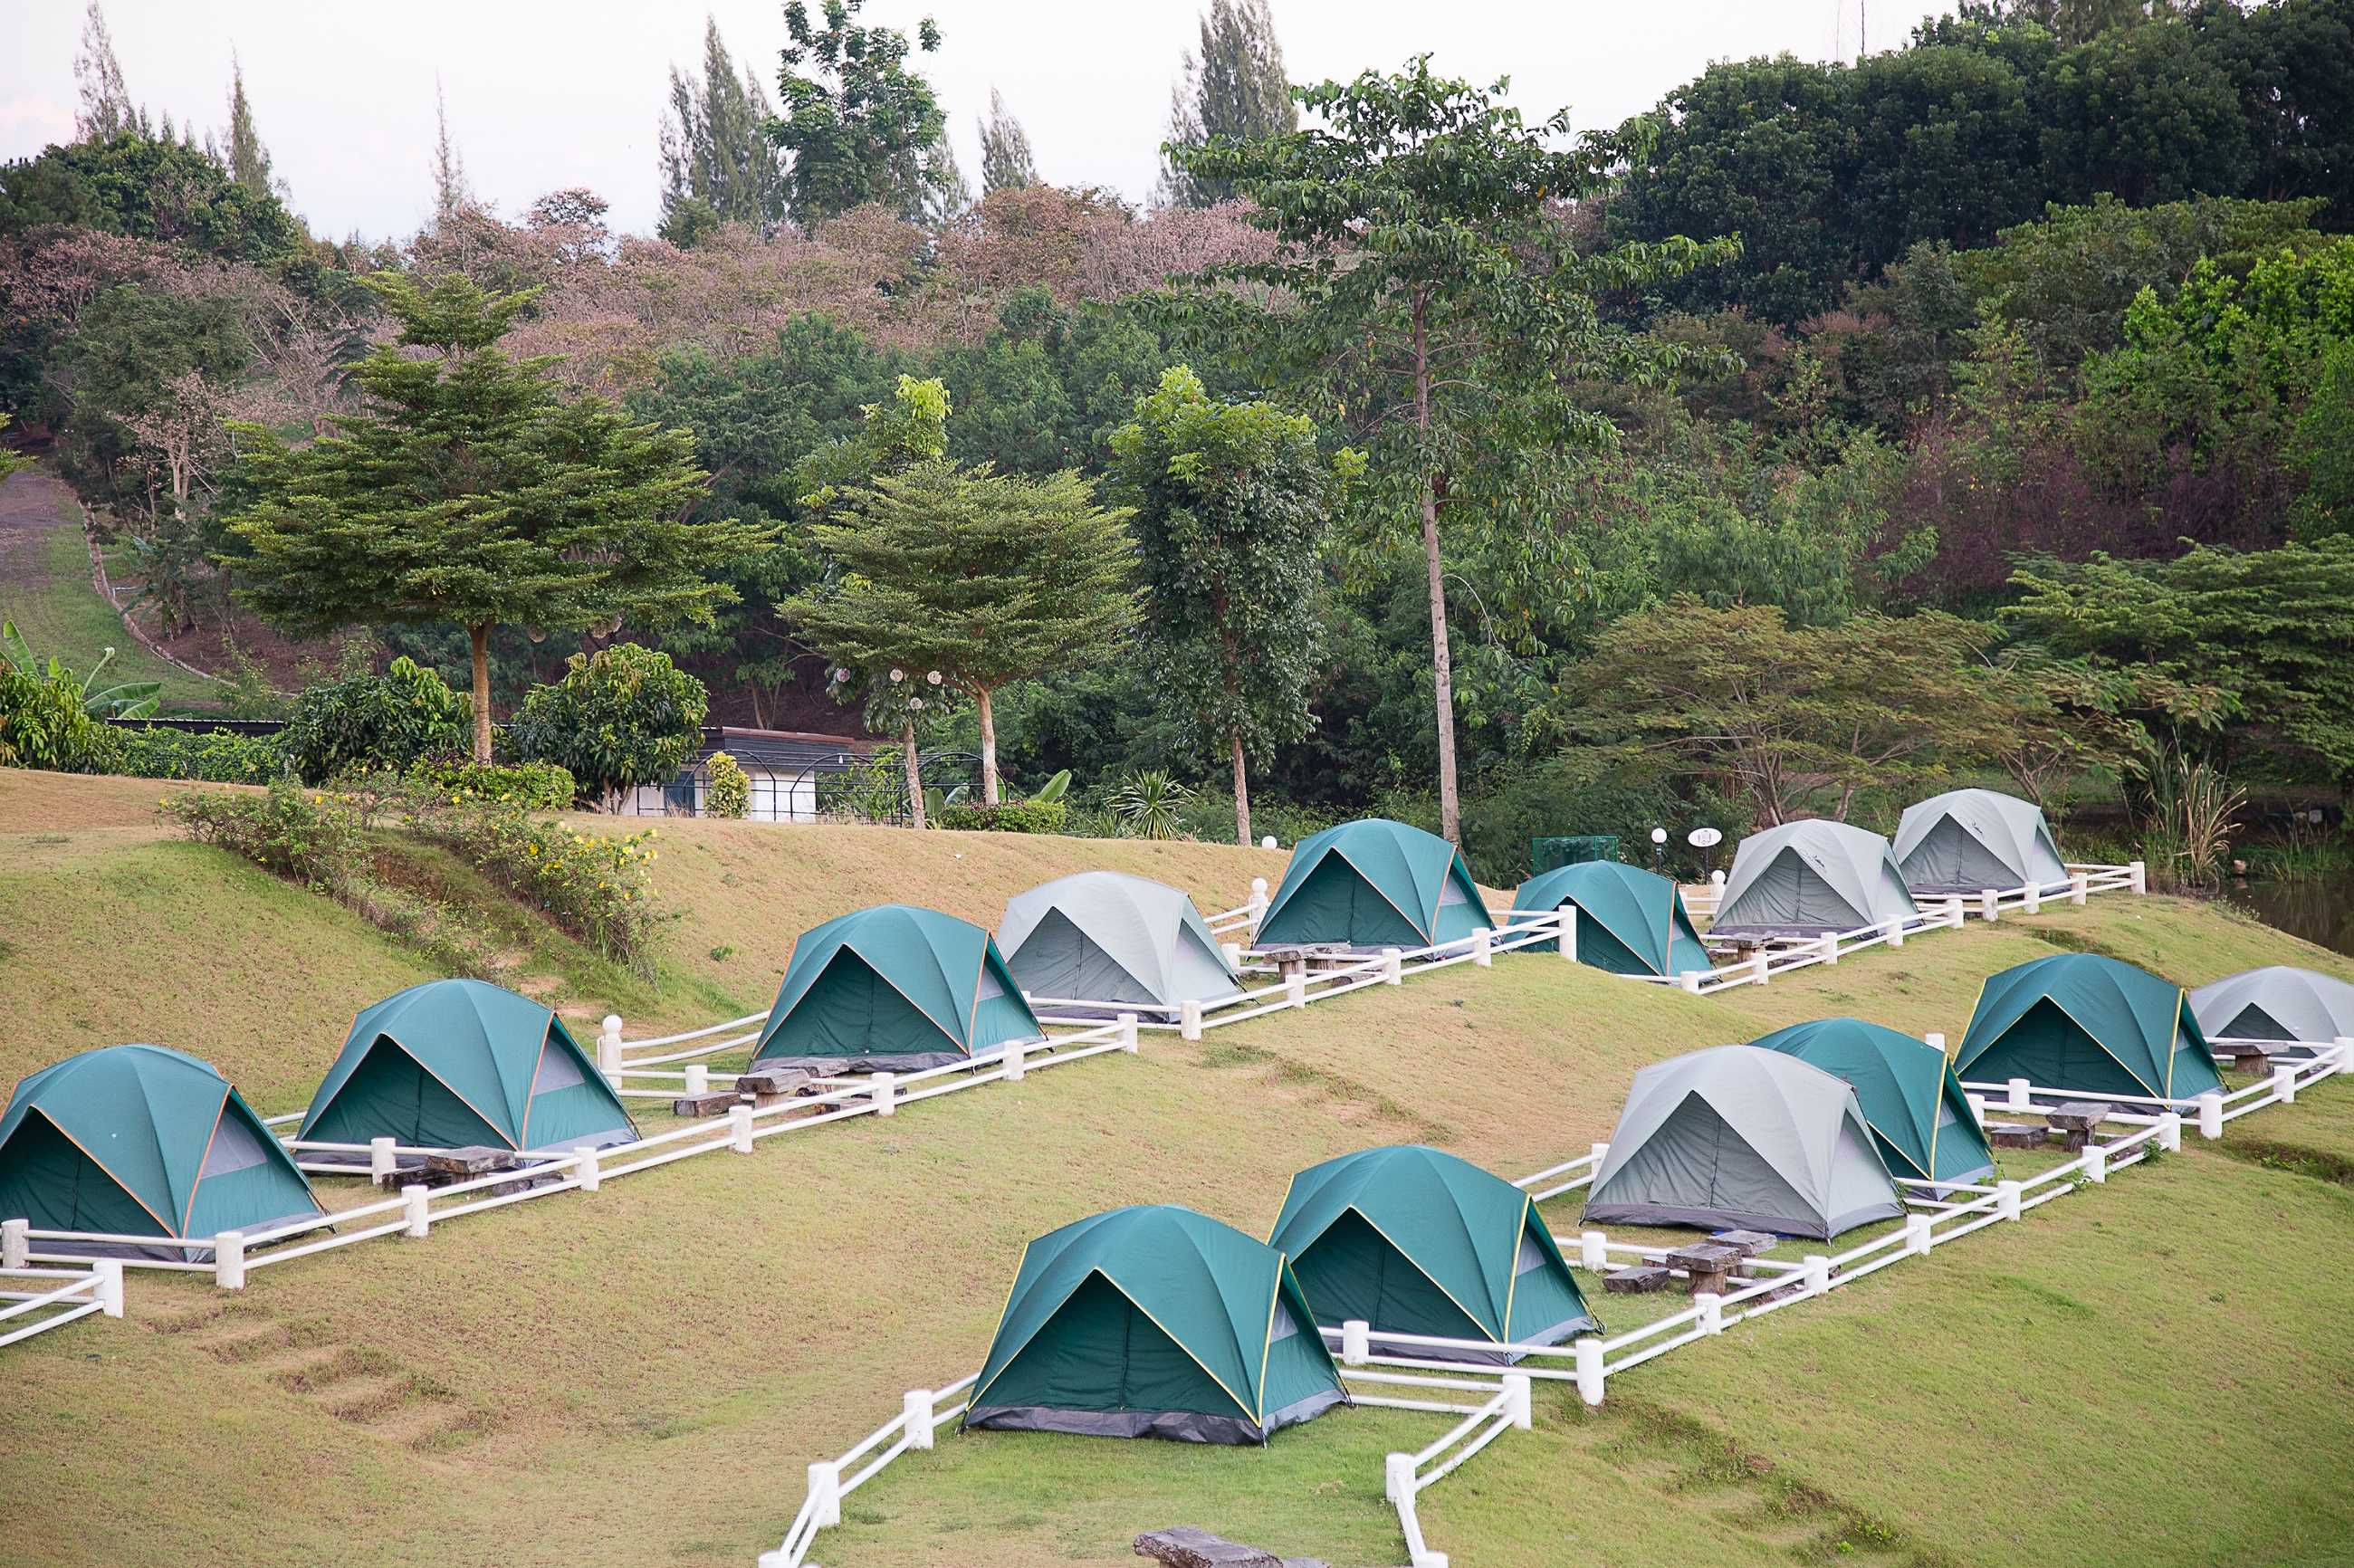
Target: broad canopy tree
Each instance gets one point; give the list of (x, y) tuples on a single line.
[(1437, 308), (1230, 501), (855, 124), (466, 493)]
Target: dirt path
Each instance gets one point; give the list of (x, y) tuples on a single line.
[(33, 506)]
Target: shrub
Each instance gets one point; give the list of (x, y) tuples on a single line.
[(1147, 803), (386, 721), (623, 716), (1007, 817), (303, 835), (217, 756), (43, 724), (727, 792), (533, 786)]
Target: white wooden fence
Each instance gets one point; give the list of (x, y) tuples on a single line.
[(52, 1297)]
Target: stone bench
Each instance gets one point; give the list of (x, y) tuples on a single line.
[(2250, 1057), (447, 1167), (1640, 1280), (1185, 1547), (1707, 1264), (2016, 1135), (2076, 1121), (1749, 1244)]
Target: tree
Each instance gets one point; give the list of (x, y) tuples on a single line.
[(451, 196), (465, 494), (148, 189), (717, 164), (1006, 163), (622, 716), (1439, 308), (985, 578), (1781, 715), (1230, 501), (1234, 87), (106, 110), (248, 159), (2147, 114), (2323, 450), (855, 123)]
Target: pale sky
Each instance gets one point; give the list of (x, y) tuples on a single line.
[(545, 95)]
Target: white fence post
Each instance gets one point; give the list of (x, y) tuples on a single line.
[(1712, 1312), (1393, 966), (1015, 1050), (228, 1260), (2137, 875), (1689, 980), (2169, 1132), (1397, 1478), (2006, 1200), (1234, 951), (917, 1408), (1916, 1233), (1957, 911), (2345, 1044), (1934, 1038), (2096, 1163), (1757, 967), (1589, 1369), (1189, 1019), (698, 1078), (2018, 1100), (1127, 1033), (825, 1493), (2079, 884), (1601, 1151), (2285, 1084), (608, 1049), (1257, 903), (1295, 988), (1517, 1404), (109, 1286), (1356, 1342), (2031, 900), (1593, 1250), (2210, 1115), (413, 1200), (739, 1129), (1988, 908), (15, 1247), (1483, 947), (1895, 928), (1569, 932), (1977, 1107), (1819, 1273), (1829, 947), (585, 1170)]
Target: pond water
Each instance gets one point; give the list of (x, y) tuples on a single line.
[(2319, 908)]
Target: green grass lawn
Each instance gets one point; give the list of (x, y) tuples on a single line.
[(2151, 1370)]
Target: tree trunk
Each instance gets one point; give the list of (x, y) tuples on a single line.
[(482, 639), (915, 772), (1241, 794), (988, 746), (1442, 668)]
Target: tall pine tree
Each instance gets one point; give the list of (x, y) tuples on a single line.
[(1006, 163), (450, 192), (248, 159), (106, 110), (1234, 88), (717, 164)]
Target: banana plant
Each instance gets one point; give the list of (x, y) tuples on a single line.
[(125, 699)]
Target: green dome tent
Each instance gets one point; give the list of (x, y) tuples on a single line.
[(1629, 921), (1733, 1136), (140, 1140), (1108, 937), (1907, 1091), (2275, 1003), (1414, 1241), (1810, 877), (894, 989), (452, 1064), (1966, 841), (2088, 1024), (1154, 1322), (1374, 883)]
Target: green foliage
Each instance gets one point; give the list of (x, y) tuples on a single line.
[(2322, 449), (1005, 817), (1052, 791), (855, 124), (717, 164), (147, 188), (218, 756), (468, 495), (1149, 804), (370, 722), (531, 786), (1233, 88), (124, 699), (1006, 162), (303, 836), (726, 791), (2248, 647), (44, 724), (872, 791), (597, 888), (622, 716)]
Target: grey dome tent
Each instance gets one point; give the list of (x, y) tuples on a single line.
[(1105, 935), (2276, 1003), (1965, 840), (1810, 877), (1737, 1136)]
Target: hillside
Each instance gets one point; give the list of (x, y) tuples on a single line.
[(641, 1376)]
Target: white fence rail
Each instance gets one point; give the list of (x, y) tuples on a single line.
[(34, 1300)]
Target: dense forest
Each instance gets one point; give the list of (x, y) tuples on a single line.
[(1985, 406)]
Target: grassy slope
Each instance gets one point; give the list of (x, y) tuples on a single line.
[(642, 1377)]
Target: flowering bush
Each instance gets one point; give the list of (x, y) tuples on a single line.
[(535, 786), (1007, 817), (219, 756), (727, 792), (303, 835), (597, 888)]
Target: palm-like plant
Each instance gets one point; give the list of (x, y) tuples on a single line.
[(125, 699), (1147, 804)]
